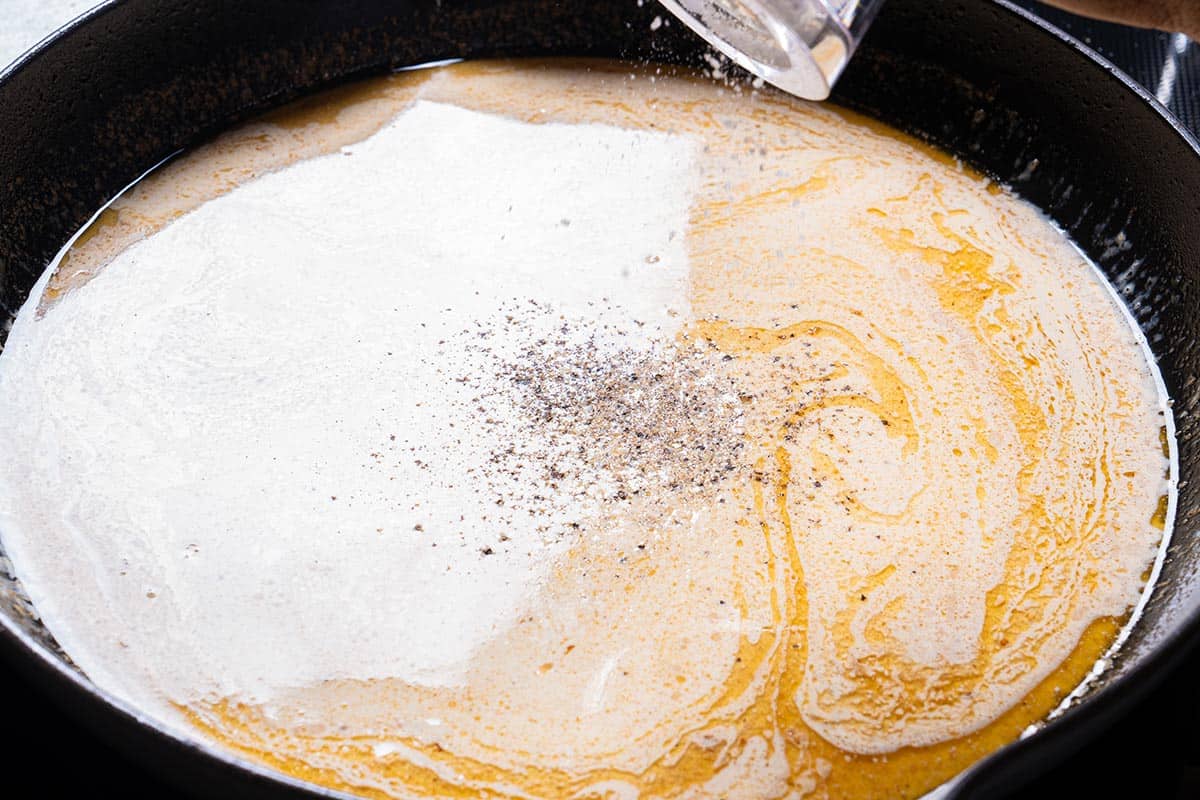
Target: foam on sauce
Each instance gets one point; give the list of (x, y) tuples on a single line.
[(548, 429)]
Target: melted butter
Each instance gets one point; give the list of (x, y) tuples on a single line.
[(954, 497)]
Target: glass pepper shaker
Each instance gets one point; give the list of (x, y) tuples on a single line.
[(800, 46)]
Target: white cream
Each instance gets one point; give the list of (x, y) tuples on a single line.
[(239, 377)]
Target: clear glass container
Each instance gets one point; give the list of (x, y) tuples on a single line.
[(801, 46)]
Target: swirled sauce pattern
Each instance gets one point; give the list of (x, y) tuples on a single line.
[(934, 486)]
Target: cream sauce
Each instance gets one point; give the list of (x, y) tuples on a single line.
[(289, 470)]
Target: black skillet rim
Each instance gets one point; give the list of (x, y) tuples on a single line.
[(1000, 771)]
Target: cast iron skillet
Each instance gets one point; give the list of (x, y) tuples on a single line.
[(115, 93)]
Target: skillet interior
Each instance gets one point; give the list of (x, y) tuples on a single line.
[(140, 79)]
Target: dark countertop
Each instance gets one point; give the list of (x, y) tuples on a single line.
[(1153, 753)]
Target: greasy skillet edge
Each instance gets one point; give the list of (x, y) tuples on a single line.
[(175, 73)]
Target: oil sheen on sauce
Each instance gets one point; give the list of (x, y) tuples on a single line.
[(839, 469)]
